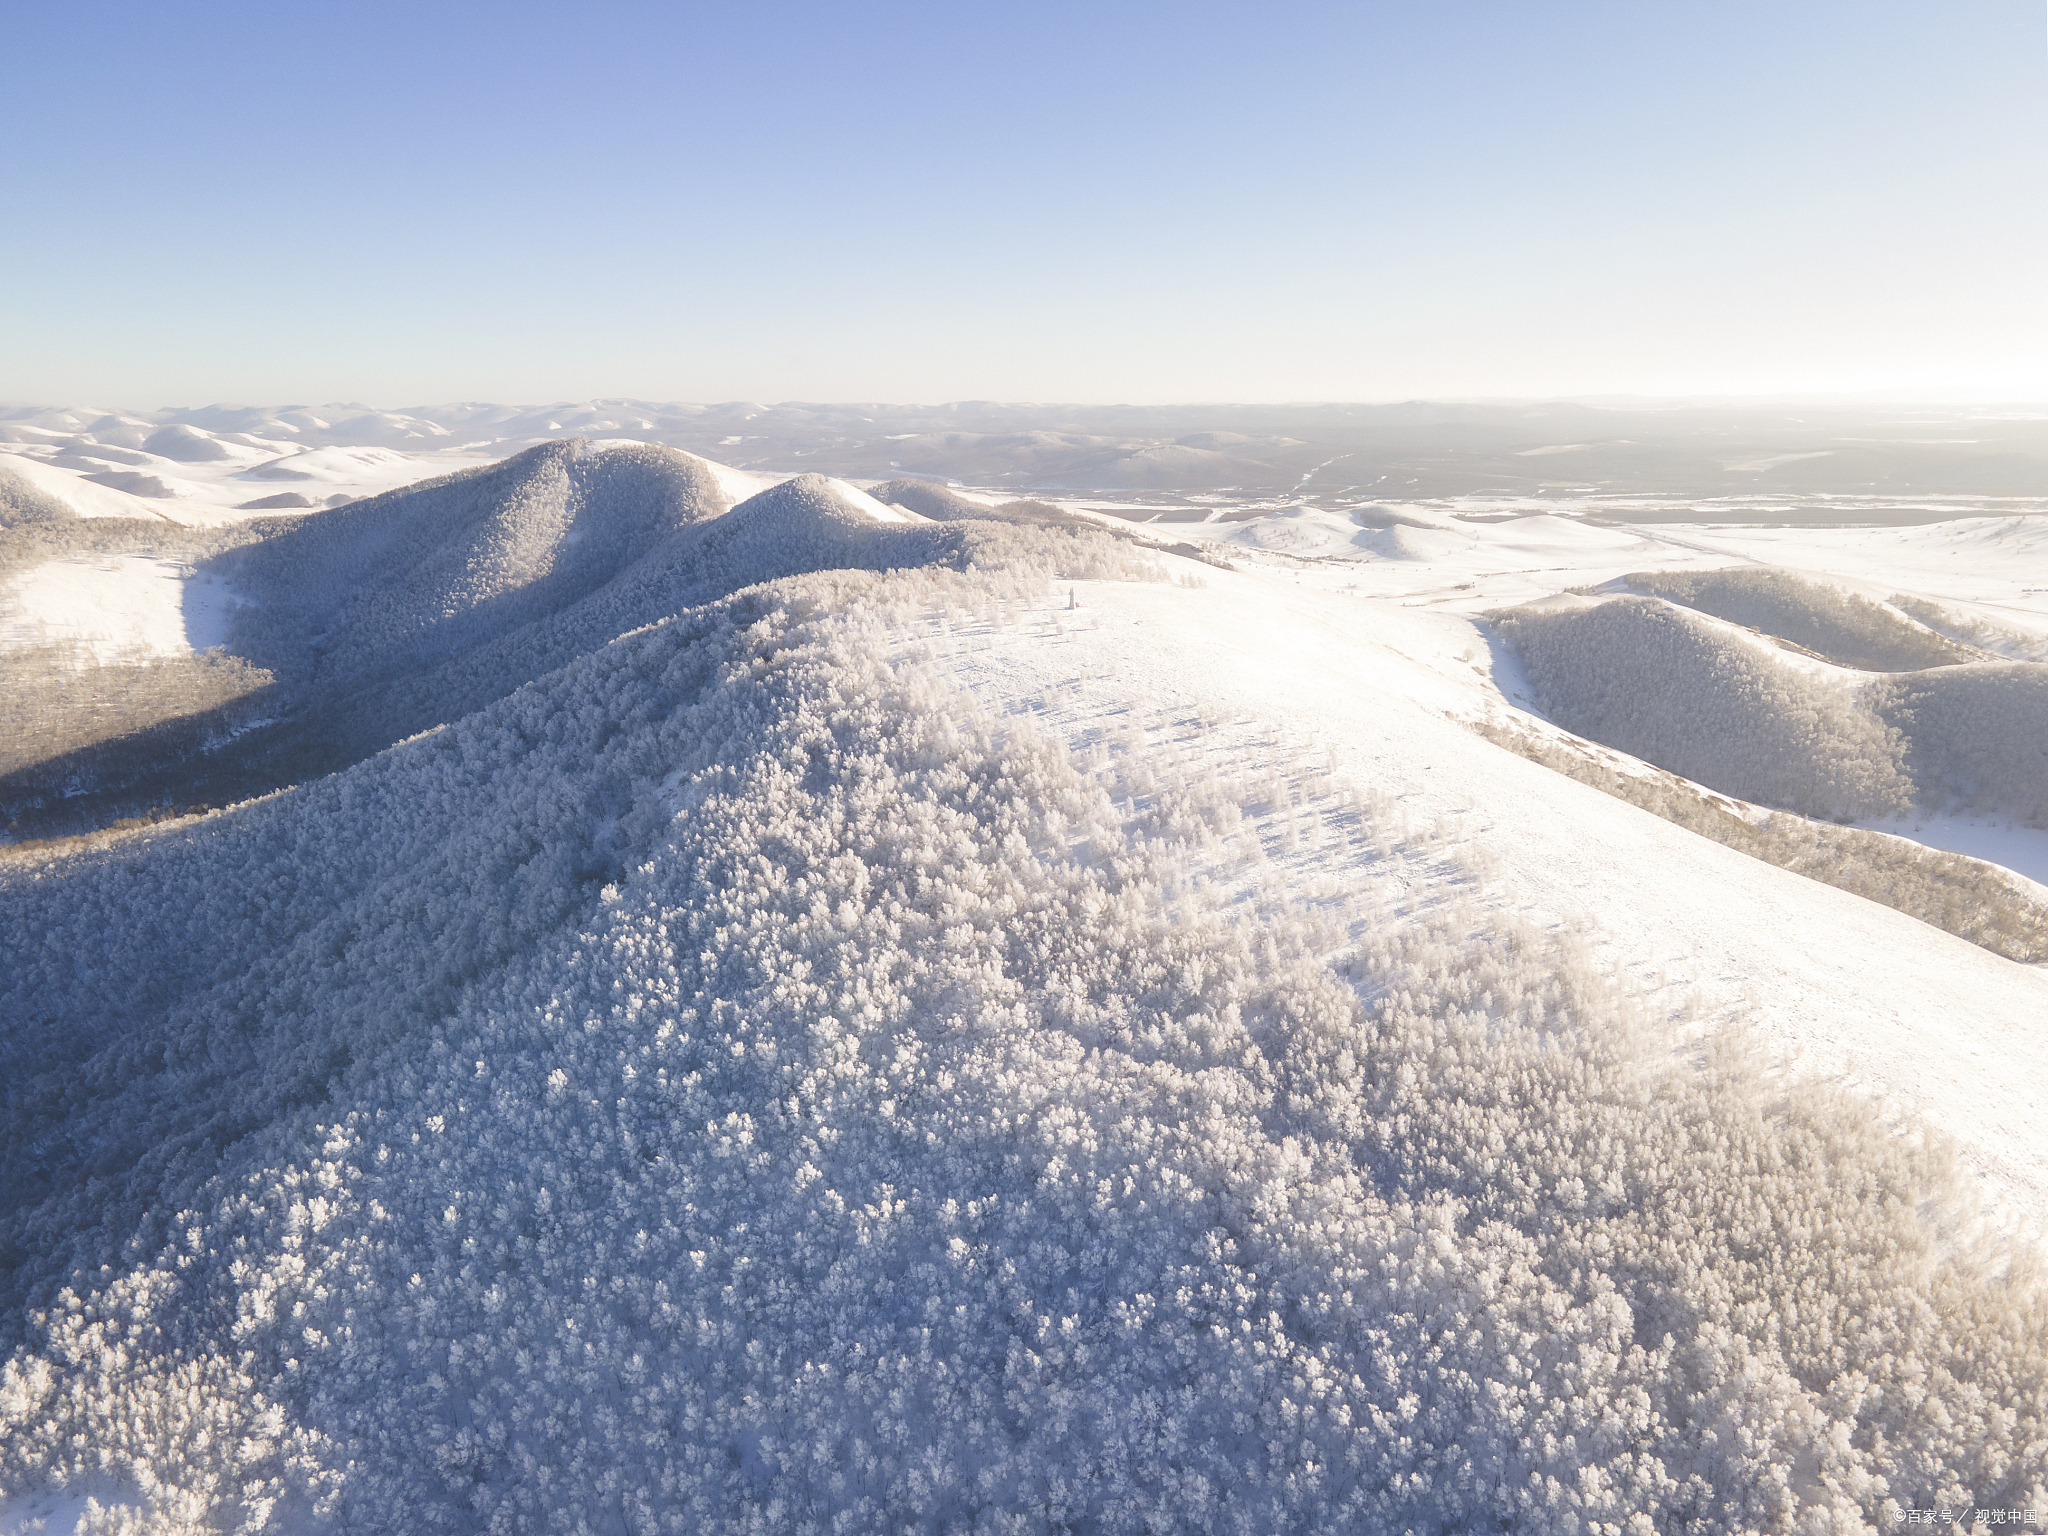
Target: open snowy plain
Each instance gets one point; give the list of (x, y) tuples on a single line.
[(635, 994)]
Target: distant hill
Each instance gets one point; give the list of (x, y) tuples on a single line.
[(1732, 454), (371, 622)]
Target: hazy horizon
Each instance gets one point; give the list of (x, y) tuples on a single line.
[(1888, 458), (1957, 400)]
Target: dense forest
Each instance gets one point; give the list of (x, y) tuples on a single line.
[(720, 1076), (1678, 684)]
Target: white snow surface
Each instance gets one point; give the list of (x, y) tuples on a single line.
[(946, 1082), (359, 470), (860, 501), (1995, 839), (1839, 989), (72, 489), (116, 606), (209, 492)]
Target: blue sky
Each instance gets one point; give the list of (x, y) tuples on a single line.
[(1120, 202)]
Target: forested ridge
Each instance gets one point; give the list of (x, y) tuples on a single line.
[(362, 625), (719, 1076), (1691, 694)]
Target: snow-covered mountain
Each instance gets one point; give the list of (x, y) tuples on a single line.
[(697, 1001), (1848, 462)]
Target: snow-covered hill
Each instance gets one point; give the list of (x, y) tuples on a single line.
[(1841, 463), (819, 1009)]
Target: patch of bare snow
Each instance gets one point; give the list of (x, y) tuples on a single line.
[(864, 504), (1995, 839), (118, 606)]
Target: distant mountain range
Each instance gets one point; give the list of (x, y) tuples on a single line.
[(1411, 449)]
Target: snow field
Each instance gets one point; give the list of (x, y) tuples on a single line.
[(202, 480), (1976, 900), (1701, 697), (55, 490), (1986, 567), (1997, 839), (115, 607)]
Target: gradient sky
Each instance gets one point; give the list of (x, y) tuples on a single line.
[(1102, 202)]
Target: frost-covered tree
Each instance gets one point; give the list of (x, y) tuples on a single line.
[(1976, 737), (734, 1082), (1691, 696), (1849, 630)]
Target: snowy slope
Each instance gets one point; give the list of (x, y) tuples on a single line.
[(850, 1018), (373, 621), (74, 492), (1839, 988), (409, 610), (116, 605), (820, 1089), (186, 475)]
